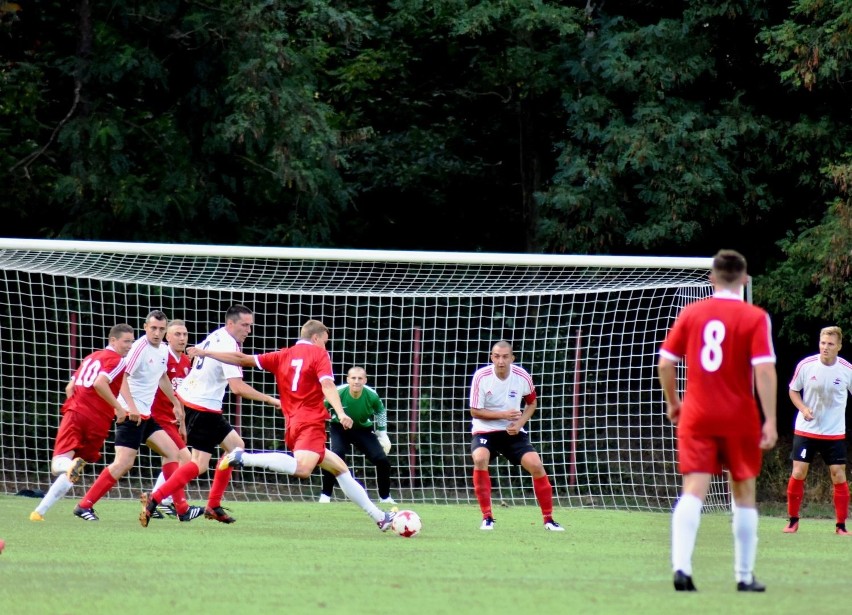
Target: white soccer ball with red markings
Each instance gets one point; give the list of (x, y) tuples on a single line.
[(407, 524)]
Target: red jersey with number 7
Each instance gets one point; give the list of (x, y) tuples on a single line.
[(721, 338), (299, 371)]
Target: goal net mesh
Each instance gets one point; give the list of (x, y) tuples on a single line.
[(588, 334)]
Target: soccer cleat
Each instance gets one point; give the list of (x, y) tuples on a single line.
[(793, 526), (388, 500), (157, 514), (386, 522), (234, 459), (149, 505), (754, 586), (218, 514), (75, 471), (840, 528), (193, 512), (551, 526), (324, 499), (487, 524), (36, 516), (86, 514), (683, 582), (167, 510)]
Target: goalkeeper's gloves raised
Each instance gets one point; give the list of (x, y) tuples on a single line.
[(384, 440)]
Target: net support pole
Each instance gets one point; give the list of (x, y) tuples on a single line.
[(415, 407), (578, 366)]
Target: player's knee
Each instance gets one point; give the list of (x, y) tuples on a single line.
[(60, 465), (302, 472)]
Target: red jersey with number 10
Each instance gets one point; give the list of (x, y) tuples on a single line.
[(299, 371), (721, 338), (85, 398)]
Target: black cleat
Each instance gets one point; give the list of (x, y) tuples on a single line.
[(86, 514), (683, 582), (754, 586), (218, 514), (193, 512)]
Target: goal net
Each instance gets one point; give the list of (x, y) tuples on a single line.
[(587, 329)]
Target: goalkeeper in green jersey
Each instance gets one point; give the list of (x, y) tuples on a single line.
[(367, 411)]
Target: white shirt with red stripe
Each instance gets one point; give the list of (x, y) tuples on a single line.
[(145, 366), (204, 387), (824, 389), (488, 392)]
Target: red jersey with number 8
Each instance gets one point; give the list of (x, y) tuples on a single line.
[(721, 338)]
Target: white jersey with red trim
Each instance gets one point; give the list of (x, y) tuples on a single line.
[(146, 364), (204, 387), (824, 389), (488, 392)]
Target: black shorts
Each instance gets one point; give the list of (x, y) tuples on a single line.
[(362, 438), (500, 442), (130, 435), (833, 452), (206, 430)]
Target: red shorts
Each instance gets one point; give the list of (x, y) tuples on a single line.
[(739, 453), (82, 436), (306, 437), (171, 430)]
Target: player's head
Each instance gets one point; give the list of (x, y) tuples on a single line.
[(502, 357), (177, 335), (155, 327), (729, 268), (314, 332), (356, 377), (830, 343), (238, 322), (121, 338)]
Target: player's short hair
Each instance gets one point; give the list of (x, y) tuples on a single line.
[(235, 312), (833, 330), (156, 315), (356, 367), (728, 265), (177, 322), (502, 344), (120, 329), (312, 328)]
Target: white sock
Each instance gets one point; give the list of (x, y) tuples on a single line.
[(279, 462), (685, 521), (56, 492), (355, 492), (744, 528), (161, 480)]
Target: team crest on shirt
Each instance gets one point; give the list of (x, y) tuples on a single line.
[(837, 381), (513, 394)]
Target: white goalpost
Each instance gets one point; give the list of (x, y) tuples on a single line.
[(586, 327)]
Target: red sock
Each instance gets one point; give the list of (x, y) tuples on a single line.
[(544, 495), (220, 482), (105, 482), (482, 489), (179, 480), (841, 501), (178, 496), (795, 493)]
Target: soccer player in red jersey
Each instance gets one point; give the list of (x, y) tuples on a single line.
[(727, 346), (305, 380), (87, 415)]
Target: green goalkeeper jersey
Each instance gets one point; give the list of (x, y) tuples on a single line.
[(366, 411)]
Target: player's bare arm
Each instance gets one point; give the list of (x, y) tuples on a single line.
[(666, 372), (132, 411), (496, 415), (766, 381), (329, 389), (796, 398), (166, 387), (239, 387), (231, 358), (101, 387), (69, 389), (515, 426)]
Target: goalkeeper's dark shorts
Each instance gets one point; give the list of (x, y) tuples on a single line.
[(502, 443)]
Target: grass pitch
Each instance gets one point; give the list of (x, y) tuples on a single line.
[(308, 558)]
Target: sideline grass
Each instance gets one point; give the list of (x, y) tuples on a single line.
[(306, 558)]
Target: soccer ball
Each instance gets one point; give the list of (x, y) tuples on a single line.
[(406, 523)]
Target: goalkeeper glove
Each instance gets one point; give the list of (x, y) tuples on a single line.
[(384, 440)]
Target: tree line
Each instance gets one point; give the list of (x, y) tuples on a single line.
[(594, 126)]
